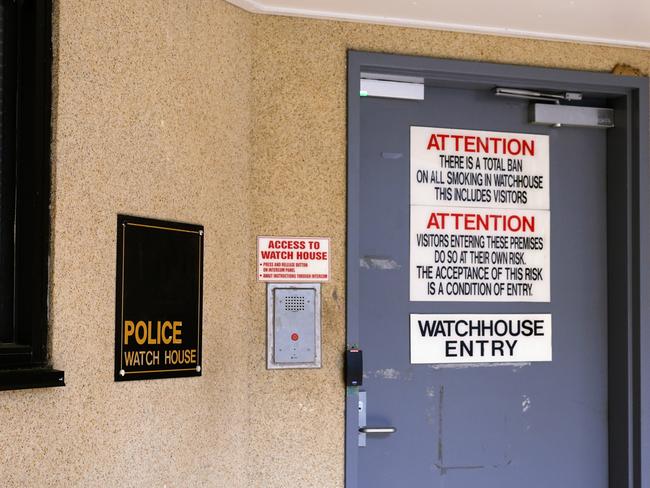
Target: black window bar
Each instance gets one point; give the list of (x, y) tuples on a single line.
[(25, 132)]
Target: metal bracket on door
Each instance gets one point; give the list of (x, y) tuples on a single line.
[(363, 428), (362, 418)]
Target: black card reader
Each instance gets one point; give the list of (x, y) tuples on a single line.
[(353, 367)]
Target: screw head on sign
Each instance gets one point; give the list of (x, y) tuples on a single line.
[(198, 369), (122, 372)]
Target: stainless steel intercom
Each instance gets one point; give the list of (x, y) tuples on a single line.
[(293, 325)]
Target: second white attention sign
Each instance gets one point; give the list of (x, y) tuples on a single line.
[(480, 216)]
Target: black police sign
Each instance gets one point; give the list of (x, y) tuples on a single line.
[(158, 313)]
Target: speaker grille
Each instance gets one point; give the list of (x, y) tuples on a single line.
[(294, 303)]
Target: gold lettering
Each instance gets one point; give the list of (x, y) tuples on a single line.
[(180, 356), (129, 328), (132, 358), (166, 338), (145, 332), (128, 357), (152, 358), (141, 326), (150, 337), (177, 332)]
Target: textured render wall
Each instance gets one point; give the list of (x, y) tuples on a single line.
[(151, 118), (299, 163), (195, 110)]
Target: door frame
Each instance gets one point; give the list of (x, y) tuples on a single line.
[(628, 237)]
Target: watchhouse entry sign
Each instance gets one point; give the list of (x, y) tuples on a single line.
[(469, 338), (159, 299), (480, 232)]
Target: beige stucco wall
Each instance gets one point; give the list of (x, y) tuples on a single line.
[(197, 111), (299, 163), (152, 117)]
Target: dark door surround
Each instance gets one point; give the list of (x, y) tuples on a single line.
[(628, 185)]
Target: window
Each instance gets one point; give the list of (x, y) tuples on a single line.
[(25, 109)]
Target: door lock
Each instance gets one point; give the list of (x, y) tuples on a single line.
[(365, 429)]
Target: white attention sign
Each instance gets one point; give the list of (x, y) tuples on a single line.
[(480, 216), (462, 338)]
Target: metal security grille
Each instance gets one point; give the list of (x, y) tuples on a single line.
[(294, 304), (25, 114), (6, 207)]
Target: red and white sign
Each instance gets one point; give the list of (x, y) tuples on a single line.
[(484, 255), (480, 216), (293, 259), (473, 168)]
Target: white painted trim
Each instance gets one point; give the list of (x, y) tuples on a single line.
[(259, 8)]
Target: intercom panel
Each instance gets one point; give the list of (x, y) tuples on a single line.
[(293, 326)]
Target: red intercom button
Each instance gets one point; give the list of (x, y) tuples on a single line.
[(295, 337)]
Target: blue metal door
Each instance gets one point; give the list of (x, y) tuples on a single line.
[(533, 425)]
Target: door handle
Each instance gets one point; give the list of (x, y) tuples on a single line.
[(365, 429), (377, 430)]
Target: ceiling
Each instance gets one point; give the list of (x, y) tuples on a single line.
[(618, 22)]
